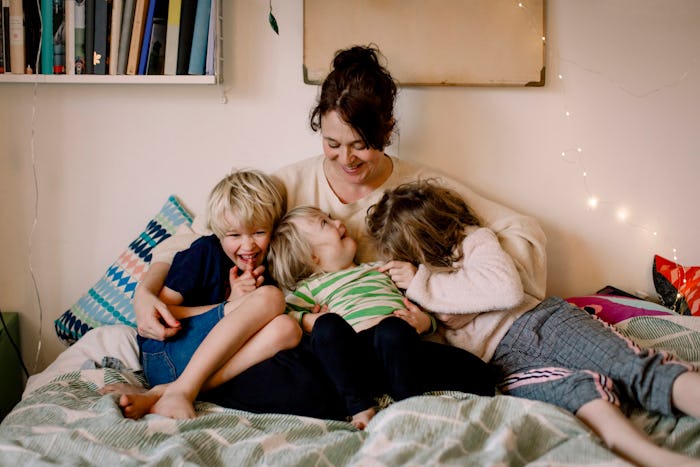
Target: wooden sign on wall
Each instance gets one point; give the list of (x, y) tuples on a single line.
[(432, 42)]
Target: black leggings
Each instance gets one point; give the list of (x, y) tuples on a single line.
[(391, 358), (292, 382)]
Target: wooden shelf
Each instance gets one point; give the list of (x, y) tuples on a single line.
[(108, 79)]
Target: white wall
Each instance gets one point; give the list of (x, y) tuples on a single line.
[(107, 156)]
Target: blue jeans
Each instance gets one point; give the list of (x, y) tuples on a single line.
[(164, 361)]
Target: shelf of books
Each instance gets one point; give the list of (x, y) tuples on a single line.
[(111, 41)]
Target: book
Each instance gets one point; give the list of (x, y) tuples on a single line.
[(171, 37), (156, 49), (90, 36), (125, 35), (69, 31), (140, 11), (2, 41), (212, 46), (115, 31), (47, 37), (58, 37), (145, 43), (80, 63), (101, 52), (184, 47), (6, 33), (32, 35), (18, 61), (200, 35)]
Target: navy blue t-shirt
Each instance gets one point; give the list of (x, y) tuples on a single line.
[(200, 273)]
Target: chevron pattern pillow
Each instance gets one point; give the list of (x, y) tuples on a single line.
[(110, 300)]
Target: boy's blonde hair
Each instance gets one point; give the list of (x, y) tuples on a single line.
[(421, 223), (252, 197), (290, 255)]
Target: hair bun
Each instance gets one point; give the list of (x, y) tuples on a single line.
[(356, 57)]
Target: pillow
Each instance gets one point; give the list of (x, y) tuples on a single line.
[(677, 286), (117, 341), (613, 309), (109, 301)]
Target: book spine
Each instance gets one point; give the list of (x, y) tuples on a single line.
[(69, 12), (212, 44), (2, 41), (187, 14), (140, 11), (200, 35), (115, 30), (146, 42), (6, 33), (125, 35), (47, 37), (59, 37), (90, 37), (101, 31), (17, 53), (171, 37), (80, 63)]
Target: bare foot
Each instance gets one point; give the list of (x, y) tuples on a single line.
[(137, 405), (174, 405), (361, 419), (134, 401)]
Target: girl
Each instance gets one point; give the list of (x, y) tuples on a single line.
[(366, 339), (551, 351)]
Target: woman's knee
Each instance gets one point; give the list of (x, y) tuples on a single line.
[(329, 327)]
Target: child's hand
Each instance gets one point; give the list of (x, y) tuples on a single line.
[(309, 319), (401, 272), (245, 283), (413, 315)]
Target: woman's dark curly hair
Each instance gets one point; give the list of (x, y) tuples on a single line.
[(363, 93), (421, 223)]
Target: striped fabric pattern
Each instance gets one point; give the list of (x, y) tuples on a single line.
[(359, 294), (109, 301)]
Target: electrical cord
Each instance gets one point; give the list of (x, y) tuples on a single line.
[(14, 344)]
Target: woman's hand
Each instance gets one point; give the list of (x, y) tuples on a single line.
[(153, 318), (309, 319), (245, 283), (454, 321), (413, 315), (401, 272)]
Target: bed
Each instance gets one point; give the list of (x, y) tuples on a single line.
[(63, 419)]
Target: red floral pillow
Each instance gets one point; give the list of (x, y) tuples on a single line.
[(678, 286)]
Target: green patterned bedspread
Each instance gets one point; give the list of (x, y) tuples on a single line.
[(67, 422)]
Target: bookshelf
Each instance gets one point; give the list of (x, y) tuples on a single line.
[(216, 78)]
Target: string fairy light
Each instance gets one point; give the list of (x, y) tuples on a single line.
[(575, 155)]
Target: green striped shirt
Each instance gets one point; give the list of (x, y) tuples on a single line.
[(361, 295)]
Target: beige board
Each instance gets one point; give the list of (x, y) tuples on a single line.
[(432, 42)]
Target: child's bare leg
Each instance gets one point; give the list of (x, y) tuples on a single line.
[(361, 419), (281, 333), (244, 318), (622, 437), (685, 393)]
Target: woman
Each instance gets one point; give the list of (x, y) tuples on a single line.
[(355, 116)]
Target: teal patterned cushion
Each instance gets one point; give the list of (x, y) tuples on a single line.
[(109, 301)]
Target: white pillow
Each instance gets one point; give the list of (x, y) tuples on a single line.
[(117, 341)]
